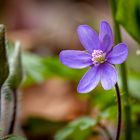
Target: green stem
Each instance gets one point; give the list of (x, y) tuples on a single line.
[(127, 109)]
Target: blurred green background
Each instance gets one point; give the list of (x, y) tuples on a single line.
[(51, 108)]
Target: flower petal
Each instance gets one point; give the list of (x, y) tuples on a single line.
[(118, 55), (108, 75), (105, 44), (89, 81), (75, 59), (88, 37), (105, 29)]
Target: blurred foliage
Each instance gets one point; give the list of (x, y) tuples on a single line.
[(12, 137), (39, 127), (134, 83), (37, 69), (108, 97), (79, 129), (128, 14)]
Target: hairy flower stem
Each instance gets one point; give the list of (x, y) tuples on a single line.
[(127, 109), (12, 125), (119, 111)]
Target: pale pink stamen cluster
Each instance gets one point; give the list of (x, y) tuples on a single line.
[(98, 57)]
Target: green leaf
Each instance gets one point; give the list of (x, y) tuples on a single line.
[(38, 69), (35, 70), (4, 70), (12, 137), (55, 67), (78, 129), (128, 14)]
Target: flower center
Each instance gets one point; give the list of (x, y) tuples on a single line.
[(98, 57)]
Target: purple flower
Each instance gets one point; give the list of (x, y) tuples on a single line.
[(99, 55)]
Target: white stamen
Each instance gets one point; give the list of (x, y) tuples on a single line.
[(98, 57)]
